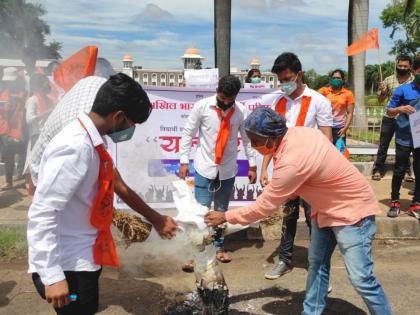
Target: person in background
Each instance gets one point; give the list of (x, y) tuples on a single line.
[(69, 235), (217, 120), (404, 102), (401, 76), (2, 102), (343, 206), (342, 102), (37, 109), (253, 76), (56, 92), (12, 111), (300, 106)]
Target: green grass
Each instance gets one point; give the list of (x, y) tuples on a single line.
[(361, 158), (12, 243), (371, 100)]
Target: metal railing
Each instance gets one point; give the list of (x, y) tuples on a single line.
[(367, 135)]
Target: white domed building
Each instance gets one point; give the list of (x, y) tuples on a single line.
[(191, 59)]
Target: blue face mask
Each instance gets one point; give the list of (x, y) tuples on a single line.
[(289, 87), (122, 135), (255, 80), (336, 83)]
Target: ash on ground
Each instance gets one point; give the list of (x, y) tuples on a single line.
[(186, 304)]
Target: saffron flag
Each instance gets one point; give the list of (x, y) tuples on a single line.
[(366, 41), (77, 66)]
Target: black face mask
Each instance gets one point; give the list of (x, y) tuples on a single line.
[(402, 71), (224, 106)]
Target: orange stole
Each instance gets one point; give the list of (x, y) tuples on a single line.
[(304, 106), (104, 250), (223, 135)]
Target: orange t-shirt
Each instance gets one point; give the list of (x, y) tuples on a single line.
[(339, 102)]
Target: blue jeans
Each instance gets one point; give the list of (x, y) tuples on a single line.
[(203, 191), (335, 134), (355, 244)]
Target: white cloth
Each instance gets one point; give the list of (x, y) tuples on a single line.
[(189, 210), (78, 100), (60, 236), (319, 113), (204, 119)]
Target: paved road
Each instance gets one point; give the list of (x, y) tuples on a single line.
[(150, 279)]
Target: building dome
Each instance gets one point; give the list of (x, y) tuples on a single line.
[(127, 58), (192, 51), (254, 61)]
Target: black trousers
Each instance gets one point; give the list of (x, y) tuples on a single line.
[(388, 126), (402, 158), (84, 284), (289, 229)]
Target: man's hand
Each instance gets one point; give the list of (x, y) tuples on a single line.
[(214, 218), (183, 171), (166, 227), (407, 109), (382, 88), (57, 294), (264, 181), (342, 132), (252, 174)]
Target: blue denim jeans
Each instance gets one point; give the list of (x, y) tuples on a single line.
[(355, 244), (208, 190)]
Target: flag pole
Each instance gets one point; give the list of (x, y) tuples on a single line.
[(380, 67)]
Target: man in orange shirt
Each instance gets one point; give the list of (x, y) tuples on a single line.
[(342, 102)]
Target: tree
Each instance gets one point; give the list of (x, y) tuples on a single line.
[(404, 19), (23, 33), (373, 77), (357, 25), (314, 80), (222, 26)]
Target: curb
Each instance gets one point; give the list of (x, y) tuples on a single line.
[(402, 228)]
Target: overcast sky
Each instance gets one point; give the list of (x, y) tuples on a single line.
[(157, 32)]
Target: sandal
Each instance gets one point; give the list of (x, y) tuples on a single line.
[(223, 256), (376, 176), (408, 178), (188, 266)]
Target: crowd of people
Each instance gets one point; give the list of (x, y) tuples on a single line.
[(69, 236), (24, 107)]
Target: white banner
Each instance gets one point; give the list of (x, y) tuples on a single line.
[(415, 128), (203, 78), (150, 161)]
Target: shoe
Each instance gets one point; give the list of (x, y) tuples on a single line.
[(414, 210), (394, 209), (278, 270)]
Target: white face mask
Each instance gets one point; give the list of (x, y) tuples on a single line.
[(289, 87)]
